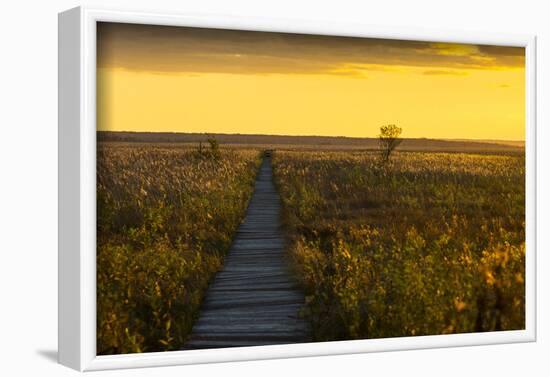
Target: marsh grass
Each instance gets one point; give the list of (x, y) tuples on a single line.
[(430, 243)]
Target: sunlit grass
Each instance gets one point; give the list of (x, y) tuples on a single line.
[(432, 243)]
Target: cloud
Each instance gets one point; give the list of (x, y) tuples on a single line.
[(197, 50), (443, 72), (453, 49)]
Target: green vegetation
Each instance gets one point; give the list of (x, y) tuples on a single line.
[(431, 244), (214, 151), (388, 140), (166, 219)]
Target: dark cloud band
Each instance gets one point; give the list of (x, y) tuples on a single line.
[(195, 50)]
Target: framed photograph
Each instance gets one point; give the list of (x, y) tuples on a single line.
[(242, 189)]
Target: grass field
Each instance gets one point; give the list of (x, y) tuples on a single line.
[(429, 243), (432, 243), (166, 218)]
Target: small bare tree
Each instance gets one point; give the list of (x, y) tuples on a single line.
[(214, 147), (389, 140)]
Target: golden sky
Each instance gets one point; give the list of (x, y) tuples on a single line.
[(159, 78)]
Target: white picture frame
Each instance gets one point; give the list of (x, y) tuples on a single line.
[(77, 190)]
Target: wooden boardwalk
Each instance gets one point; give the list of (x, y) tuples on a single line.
[(253, 301)]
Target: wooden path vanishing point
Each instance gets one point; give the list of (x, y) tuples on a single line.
[(253, 300)]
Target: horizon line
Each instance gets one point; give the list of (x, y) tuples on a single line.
[(327, 136)]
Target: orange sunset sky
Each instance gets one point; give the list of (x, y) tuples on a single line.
[(159, 78)]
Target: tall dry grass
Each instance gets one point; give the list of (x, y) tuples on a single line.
[(433, 243)]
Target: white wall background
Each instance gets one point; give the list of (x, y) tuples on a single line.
[(28, 184)]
